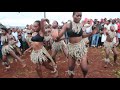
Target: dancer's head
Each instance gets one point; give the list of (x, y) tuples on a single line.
[(4, 31), (94, 27), (36, 26), (55, 24), (77, 16), (9, 31)]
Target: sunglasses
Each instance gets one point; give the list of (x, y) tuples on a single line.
[(29, 33)]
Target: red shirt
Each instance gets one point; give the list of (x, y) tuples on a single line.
[(118, 28)]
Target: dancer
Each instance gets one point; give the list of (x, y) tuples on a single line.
[(47, 38), (39, 55), (109, 45), (59, 45), (77, 50), (13, 42), (7, 49)]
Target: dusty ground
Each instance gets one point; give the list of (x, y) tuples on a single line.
[(96, 69)]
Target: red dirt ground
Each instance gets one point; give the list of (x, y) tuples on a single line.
[(96, 69)]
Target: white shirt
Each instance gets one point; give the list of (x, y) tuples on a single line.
[(103, 38), (89, 29), (15, 34), (107, 26), (24, 34), (116, 28), (115, 25)]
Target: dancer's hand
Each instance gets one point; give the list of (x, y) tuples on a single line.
[(115, 45), (15, 41), (56, 39), (45, 19), (25, 52), (107, 33)]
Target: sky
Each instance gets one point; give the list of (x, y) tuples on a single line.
[(24, 18)]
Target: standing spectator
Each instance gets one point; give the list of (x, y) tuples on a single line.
[(100, 37), (114, 24), (105, 28), (104, 36), (116, 28), (107, 25), (118, 33), (96, 36), (15, 34), (20, 39), (24, 35), (88, 27), (0, 46)]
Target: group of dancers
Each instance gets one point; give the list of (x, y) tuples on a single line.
[(44, 37)]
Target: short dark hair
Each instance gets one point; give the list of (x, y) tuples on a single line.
[(98, 21), (94, 27), (109, 21), (5, 29), (74, 13), (56, 22), (37, 21)]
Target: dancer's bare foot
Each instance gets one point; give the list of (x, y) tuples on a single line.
[(116, 63), (7, 68), (55, 72), (23, 65), (11, 60), (15, 60), (86, 76), (78, 64), (105, 66), (111, 64)]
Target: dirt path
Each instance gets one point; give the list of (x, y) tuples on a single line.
[(96, 69)]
